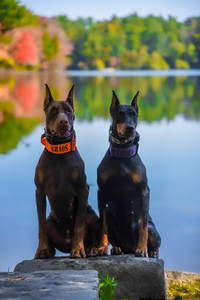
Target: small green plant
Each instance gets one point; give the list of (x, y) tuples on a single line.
[(106, 287)]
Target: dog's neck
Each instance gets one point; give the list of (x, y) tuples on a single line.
[(57, 140), (57, 145), (121, 148), (123, 142)]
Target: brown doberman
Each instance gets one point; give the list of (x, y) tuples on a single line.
[(60, 175), (123, 195)]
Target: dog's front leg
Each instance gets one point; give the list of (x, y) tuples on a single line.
[(143, 225), (78, 250), (103, 246), (43, 246)]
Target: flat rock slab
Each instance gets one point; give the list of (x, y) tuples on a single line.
[(73, 285), (137, 278)]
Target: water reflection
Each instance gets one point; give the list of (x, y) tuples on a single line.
[(169, 148), (21, 95), (159, 96)]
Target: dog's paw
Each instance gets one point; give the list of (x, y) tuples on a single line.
[(103, 250), (141, 252), (153, 254), (91, 251), (77, 252), (44, 253), (116, 250)]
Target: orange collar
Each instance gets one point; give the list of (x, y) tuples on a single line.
[(60, 148)]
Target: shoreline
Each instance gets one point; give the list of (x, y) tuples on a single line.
[(111, 72)]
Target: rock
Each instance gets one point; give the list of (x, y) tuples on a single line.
[(73, 285), (137, 278)]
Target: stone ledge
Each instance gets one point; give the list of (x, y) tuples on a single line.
[(137, 278), (62, 285)]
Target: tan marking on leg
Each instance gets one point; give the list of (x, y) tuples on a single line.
[(103, 246), (78, 249), (105, 239), (142, 242)]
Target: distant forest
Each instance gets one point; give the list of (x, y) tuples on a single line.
[(134, 42)]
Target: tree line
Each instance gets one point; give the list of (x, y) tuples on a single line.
[(134, 42), (130, 42)]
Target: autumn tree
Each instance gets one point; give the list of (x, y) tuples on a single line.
[(25, 51)]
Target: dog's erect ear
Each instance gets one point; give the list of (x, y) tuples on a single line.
[(115, 101), (134, 102), (70, 98), (48, 97)]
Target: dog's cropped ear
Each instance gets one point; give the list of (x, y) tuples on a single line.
[(70, 97), (48, 97), (115, 101), (134, 102)]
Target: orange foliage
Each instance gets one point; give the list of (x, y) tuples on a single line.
[(26, 94), (25, 50)]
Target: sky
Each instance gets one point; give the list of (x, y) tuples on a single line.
[(105, 9)]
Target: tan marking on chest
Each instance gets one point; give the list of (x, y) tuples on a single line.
[(137, 176), (40, 175), (74, 174), (104, 176)]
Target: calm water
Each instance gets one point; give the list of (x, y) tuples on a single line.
[(169, 126)]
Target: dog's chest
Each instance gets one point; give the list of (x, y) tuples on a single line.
[(60, 186), (59, 175), (118, 171)]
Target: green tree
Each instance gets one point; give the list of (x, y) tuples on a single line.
[(50, 46), (193, 53), (77, 32), (13, 14), (134, 42)]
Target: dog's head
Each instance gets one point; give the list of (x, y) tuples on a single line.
[(124, 118), (59, 114)]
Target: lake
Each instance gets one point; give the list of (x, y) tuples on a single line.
[(169, 127)]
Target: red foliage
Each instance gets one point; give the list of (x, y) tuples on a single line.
[(25, 50), (26, 94)]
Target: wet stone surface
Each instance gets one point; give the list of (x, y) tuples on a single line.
[(71, 284)]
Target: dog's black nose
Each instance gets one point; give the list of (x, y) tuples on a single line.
[(63, 122), (129, 130)]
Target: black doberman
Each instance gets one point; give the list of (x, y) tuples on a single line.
[(60, 175), (123, 195)]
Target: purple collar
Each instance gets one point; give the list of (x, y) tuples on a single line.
[(123, 152)]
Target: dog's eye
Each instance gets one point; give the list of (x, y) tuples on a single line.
[(67, 110), (121, 114), (120, 117), (132, 113), (53, 111)]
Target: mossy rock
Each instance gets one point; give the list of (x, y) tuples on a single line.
[(186, 285)]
